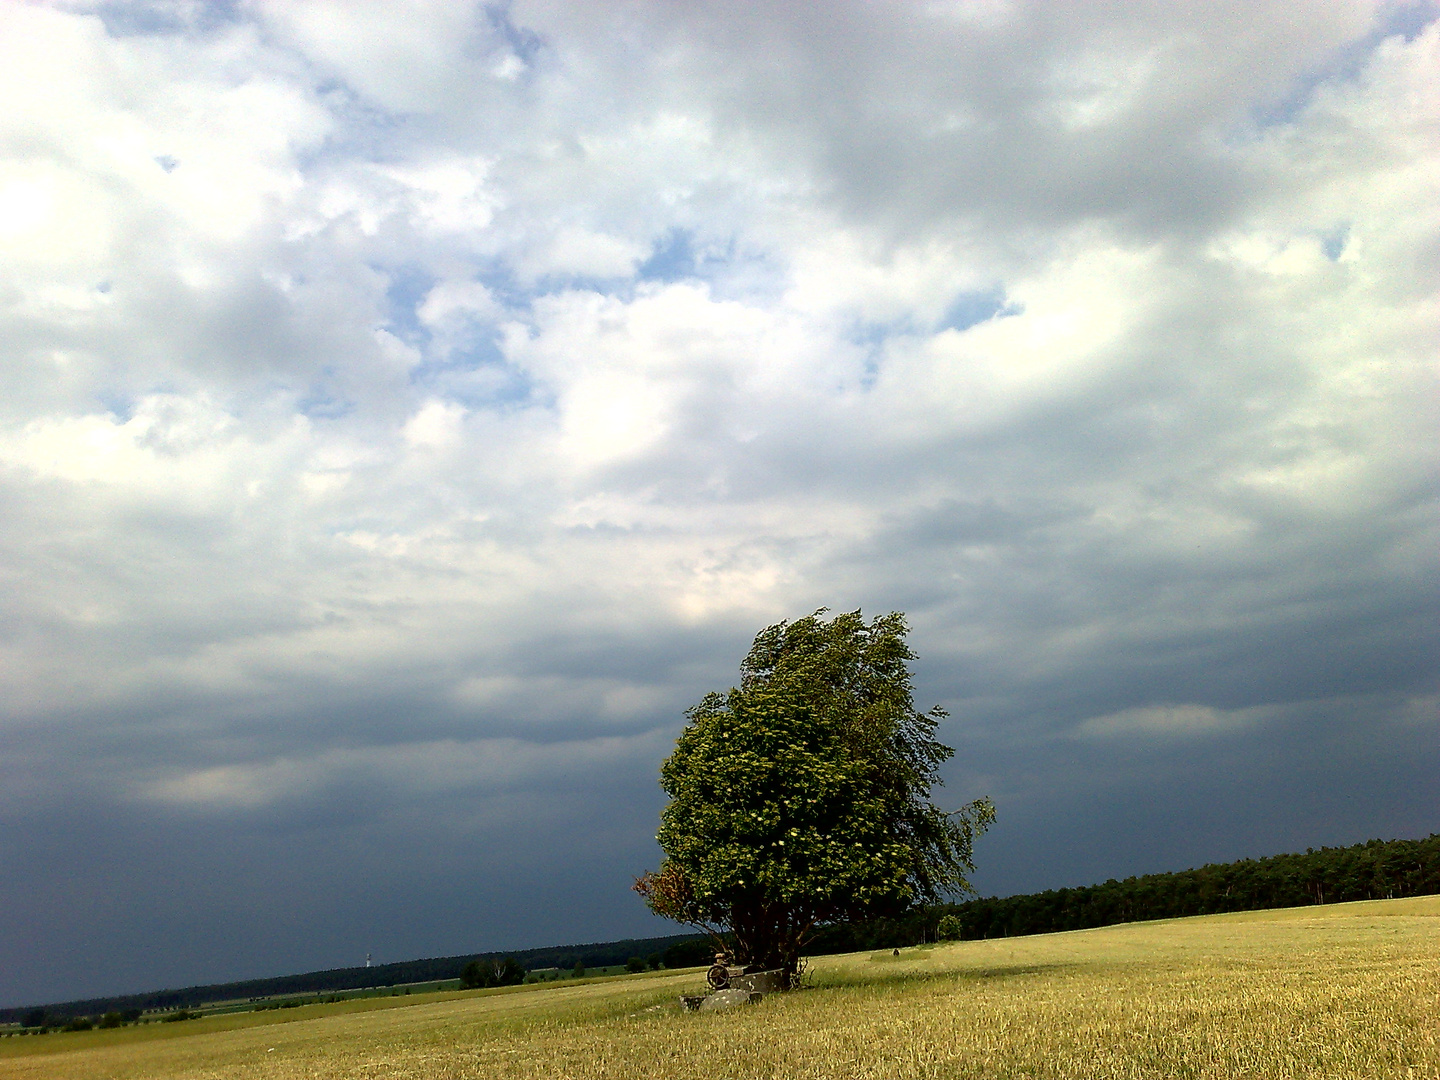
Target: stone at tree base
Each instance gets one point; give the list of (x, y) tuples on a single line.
[(728, 999), (763, 982)]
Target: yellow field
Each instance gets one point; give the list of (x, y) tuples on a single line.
[(1349, 990)]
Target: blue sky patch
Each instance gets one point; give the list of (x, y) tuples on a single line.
[(132, 18), (118, 404), (972, 308), (524, 43), (1346, 62), (672, 259), (409, 285), (1333, 242)]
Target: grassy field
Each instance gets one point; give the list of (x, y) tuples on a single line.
[(1349, 990)]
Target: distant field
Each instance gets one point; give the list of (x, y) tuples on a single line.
[(1345, 990)]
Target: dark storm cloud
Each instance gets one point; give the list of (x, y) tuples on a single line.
[(1019, 113)]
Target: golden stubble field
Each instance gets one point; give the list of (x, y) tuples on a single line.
[(1349, 990)]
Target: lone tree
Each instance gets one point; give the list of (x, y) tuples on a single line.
[(802, 797)]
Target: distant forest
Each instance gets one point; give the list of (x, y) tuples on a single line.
[(602, 954), (1378, 869), (1375, 870)]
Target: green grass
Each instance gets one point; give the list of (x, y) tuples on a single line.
[(1346, 990)]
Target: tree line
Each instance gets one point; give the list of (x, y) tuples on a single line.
[(437, 969), (1374, 870)]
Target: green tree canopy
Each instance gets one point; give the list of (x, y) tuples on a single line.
[(802, 796), (492, 972)]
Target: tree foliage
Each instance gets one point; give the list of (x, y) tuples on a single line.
[(692, 953), (802, 796), (492, 972)]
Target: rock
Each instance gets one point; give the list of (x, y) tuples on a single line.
[(728, 999), (762, 982)]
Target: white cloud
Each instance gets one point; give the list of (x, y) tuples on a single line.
[(406, 55), (1171, 721), (447, 196), (169, 444), (1237, 372), (430, 769), (569, 250), (452, 302), (436, 426)]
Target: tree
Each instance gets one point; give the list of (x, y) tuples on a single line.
[(635, 965), (685, 954), (802, 797), (479, 974), (475, 975)]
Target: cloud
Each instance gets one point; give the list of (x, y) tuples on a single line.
[(1164, 720), (409, 410), (415, 769), (436, 425), (405, 57)]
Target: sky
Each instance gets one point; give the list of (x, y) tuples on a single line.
[(410, 408)]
